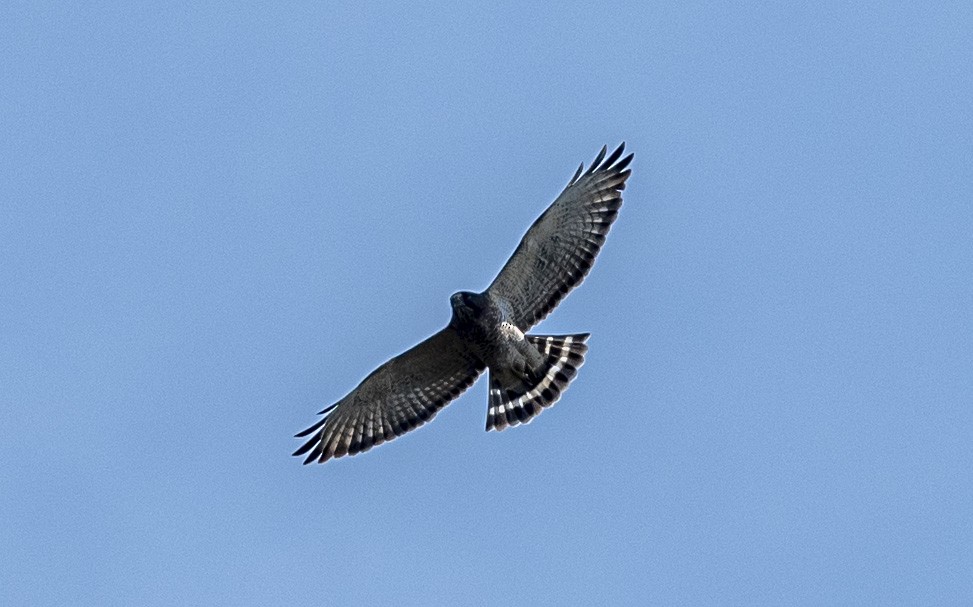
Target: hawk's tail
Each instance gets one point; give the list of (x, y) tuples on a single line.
[(512, 407)]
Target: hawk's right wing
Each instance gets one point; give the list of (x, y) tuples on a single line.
[(402, 394), (559, 249)]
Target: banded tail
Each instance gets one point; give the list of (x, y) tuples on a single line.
[(512, 407)]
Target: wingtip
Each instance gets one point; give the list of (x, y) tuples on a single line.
[(577, 173), (329, 408), (596, 163), (624, 162), (313, 428), (601, 163), (614, 156), (303, 448)]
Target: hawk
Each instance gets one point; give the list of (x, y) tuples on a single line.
[(488, 330)]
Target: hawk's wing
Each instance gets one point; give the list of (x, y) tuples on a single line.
[(402, 394), (560, 248)]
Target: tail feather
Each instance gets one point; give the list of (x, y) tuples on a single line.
[(511, 407)]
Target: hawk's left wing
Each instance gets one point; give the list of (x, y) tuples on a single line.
[(560, 248), (402, 394)]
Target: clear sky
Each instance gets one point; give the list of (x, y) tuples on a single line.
[(215, 220)]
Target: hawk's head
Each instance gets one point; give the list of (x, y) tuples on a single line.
[(467, 305)]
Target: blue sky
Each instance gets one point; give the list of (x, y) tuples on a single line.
[(215, 220)]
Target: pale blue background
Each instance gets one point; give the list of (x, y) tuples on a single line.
[(217, 219)]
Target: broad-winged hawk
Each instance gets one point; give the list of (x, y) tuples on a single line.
[(488, 331)]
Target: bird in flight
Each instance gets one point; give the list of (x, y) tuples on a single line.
[(488, 330)]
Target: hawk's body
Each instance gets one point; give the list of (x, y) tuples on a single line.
[(487, 330), (495, 341)]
